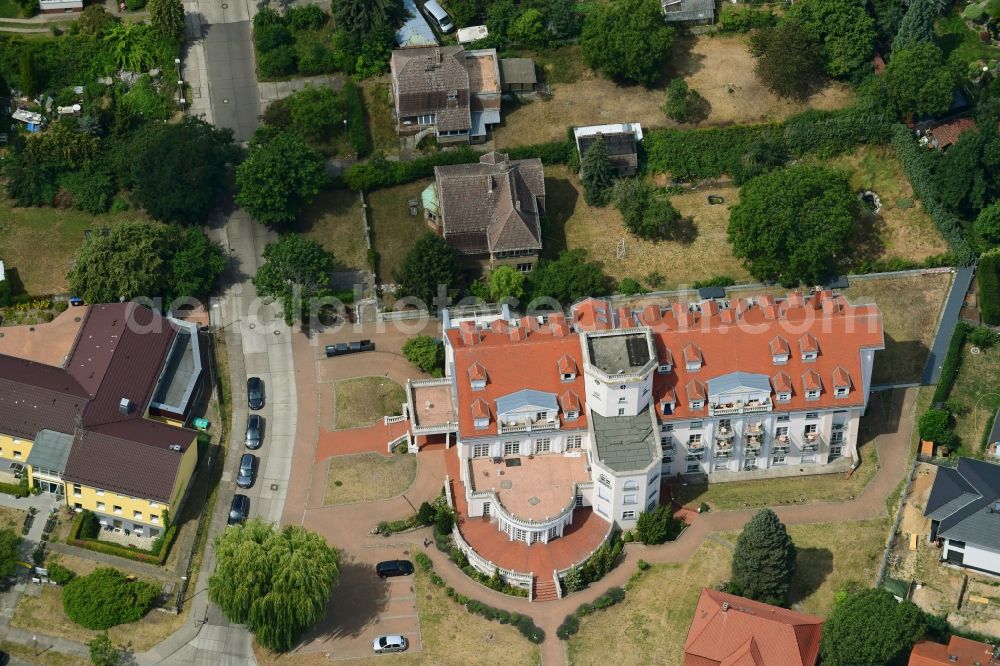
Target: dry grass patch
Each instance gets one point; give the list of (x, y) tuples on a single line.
[(599, 230), (44, 614), (787, 490), (394, 230), (368, 477), (334, 220), (650, 626), (49, 657), (902, 229), (978, 382), (720, 68), (12, 519), (364, 400), (910, 309), (449, 635), (381, 122)]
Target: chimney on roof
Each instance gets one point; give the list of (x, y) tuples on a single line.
[(175, 447), (125, 406), (830, 306), (489, 184), (725, 606), (469, 333)]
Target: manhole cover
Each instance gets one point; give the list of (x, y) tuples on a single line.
[(533, 501), (253, 325), (277, 332), (274, 486), (505, 485)]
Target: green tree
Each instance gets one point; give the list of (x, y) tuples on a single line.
[(130, 46), (917, 80), (179, 169), (793, 224), (196, 265), (363, 16), (763, 560), (167, 18), (568, 278), (9, 553), (987, 224), (968, 174), (787, 60), (564, 18), (106, 598), (627, 40), (94, 20), (29, 81), (917, 24), (871, 627), (130, 261), (683, 104), (278, 178), (315, 112), (103, 652), (426, 353), (464, 12), (295, 271), (595, 174), (505, 282), (277, 582), (935, 426), (644, 212), (528, 29), (843, 28), (429, 266), (630, 287), (656, 526)]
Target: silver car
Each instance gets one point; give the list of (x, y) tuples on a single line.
[(390, 643), (248, 471)]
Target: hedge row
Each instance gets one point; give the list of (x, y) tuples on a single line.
[(16, 489), (952, 361), (156, 556), (357, 122), (571, 623), (918, 172), (989, 287), (380, 172)]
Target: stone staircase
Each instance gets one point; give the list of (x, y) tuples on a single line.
[(544, 590)]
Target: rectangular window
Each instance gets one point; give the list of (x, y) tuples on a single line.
[(784, 418), (568, 376), (524, 268), (697, 404), (628, 515), (574, 441), (666, 460), (630, 499), (77, 490), (100, 493), (511, 448), (781, 431), (784, 397), (666, 427), (153, 518), (77, 505), (604, 480), (604, 493), (693, 467), (622, 399), (137, 515), (812, 416), (621, 411), (721, 464), (100, 506), (543, 445), (696, 425), (481, 424), (842, 391), (836, 452), (778, 460), (480, 450), (666, 444), (17, 455), (812, 395), (572, 415), (664, 368), (694, 441), (117, 509), (837, 437), (426, 119)]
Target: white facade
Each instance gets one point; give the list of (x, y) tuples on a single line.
[(969, 555)]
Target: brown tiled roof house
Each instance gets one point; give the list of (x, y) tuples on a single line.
[(446, 90), (490, 211)]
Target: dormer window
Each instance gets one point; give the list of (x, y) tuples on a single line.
[(812, 395), (567, 377), (697, 404), (477, 376), (572, 415), (480, 415), (808, 347), (667, 407), (784, 396), (841, 382), (567, 368), (692, 358), (664, 368), (779, 350), (841, 391)]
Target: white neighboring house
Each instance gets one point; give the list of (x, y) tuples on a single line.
[(58, 6), (964, 508)]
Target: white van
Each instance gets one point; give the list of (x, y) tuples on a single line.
[(440, 16)]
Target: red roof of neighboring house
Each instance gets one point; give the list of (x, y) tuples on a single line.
[(964, 651), (730, 630), (946, 134), (879, 63)]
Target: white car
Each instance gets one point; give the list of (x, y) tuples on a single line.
[(391, 643)]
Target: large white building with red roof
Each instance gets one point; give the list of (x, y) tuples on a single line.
[(594, 410)]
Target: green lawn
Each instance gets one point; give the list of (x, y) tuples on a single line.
[(959, 43), (334, 219), (10, 9), (978, 383), (364, 400), (40, 243), (393, 228)]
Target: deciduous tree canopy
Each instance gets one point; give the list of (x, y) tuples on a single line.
[(843, 28), (106, 598), (429, 267), (278, 178), (627, 40), (277, 582), (295, 271), (871, 627), (568, 278), (793, 224), (788, 60), (426, 353), (917, 80)]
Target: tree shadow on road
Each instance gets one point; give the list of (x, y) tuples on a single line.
[(357, 600)]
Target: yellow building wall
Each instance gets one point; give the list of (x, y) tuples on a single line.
[(11, 445), (91, 499), (188, 465)]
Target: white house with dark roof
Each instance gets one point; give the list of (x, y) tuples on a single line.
[(964, 508)]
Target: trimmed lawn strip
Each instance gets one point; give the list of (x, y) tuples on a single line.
[(334, 220), (368, 477), (787, 490), (381, 119), (393, 228), (978, 382), (450, 635), (363, 401), (911, 307), (651, 624)]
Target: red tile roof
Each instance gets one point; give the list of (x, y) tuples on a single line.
[(807, 344), (811, 381), (730, 630), (477, 373), (965, 652), (947, 133), (480, 410), (569, 402), (695, 390), (781, 383), (779, 346), (566, 365), (841, 378)]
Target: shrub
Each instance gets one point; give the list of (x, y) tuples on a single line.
[(988, 276), (60, 575), (935, 425), (952, 361), (983, 337), (357, 122), (14, 489), (570, 625), (444, 522), (643, 565), (106, 598), (426, 514), (742, 18), (656, 526), (423, 561)]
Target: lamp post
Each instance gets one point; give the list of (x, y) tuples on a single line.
[(345, 126), (34, 645)]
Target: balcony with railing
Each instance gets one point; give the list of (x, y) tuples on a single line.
[(811, 441), (530, 425), (739, 407)]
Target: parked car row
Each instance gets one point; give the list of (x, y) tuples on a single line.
[(239, 510)]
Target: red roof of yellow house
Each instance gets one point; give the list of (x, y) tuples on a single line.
[(728, 630), (958, 652)]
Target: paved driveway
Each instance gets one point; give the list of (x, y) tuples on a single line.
[(232, 87)]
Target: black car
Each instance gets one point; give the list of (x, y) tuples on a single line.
[(394, 568), (342, 348), (255, 431), (255, 393), (239, 510), (248, 471)]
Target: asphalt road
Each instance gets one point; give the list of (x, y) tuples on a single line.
[(232, 80)]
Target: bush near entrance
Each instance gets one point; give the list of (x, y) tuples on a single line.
[(106, 598)]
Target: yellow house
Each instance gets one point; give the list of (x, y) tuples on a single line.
[(106, 429)]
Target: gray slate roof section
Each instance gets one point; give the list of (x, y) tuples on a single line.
[(976, 522), (625, 443), (50, 451), (517, 70), (949, 493), (525, 398), (737, 380), (689, 10)]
